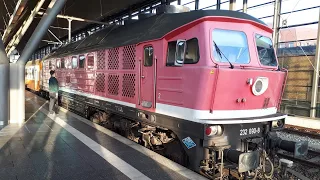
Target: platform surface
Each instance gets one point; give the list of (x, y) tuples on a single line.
[(66, 146), (313, 123)]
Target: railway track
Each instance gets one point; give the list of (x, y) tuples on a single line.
[(302, 131), (311, 160)]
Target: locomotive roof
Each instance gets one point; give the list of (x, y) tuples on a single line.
[(151, 28)]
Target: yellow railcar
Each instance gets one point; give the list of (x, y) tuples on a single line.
[(33, 70)]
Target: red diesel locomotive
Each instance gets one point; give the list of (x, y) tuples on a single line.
[(201, 87)]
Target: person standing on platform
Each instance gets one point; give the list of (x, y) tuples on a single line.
[(53, 92)]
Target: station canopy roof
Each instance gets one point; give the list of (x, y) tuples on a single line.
[(98, 10)]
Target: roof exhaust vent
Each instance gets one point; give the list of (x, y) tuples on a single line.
[(169, 9)]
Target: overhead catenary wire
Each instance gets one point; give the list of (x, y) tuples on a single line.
[(5, 5), (290, 31), (294, 35), (5, 23)]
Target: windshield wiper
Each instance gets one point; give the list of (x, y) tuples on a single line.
[(221, 54)]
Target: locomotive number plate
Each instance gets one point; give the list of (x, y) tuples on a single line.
[(250, 131)]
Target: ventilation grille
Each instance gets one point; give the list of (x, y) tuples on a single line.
[(113, 59), (113, 84), (100, 82), (128, 85), (101, 60), (129, 53)]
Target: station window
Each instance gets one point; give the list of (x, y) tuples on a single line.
[(148, 56), (82, 59), (265, 51), (90, 61), (74, 62), (233, 49), (192, 55)]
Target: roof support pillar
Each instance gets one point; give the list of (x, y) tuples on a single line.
[(245, 6), (17, 93), (315, 82), (218, 4), (179, 2), (196, 5), (21, 4), (232, 5), (17, 85), (53, 9), (4, 86), (276, 23), (23, 29)]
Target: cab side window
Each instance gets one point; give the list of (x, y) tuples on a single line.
[(171, 53), (148, 56), (192, 54)]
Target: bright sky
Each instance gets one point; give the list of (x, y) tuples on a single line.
[(307, 16)]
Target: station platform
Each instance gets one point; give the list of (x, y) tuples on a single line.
[(67, 146), (311, 123)]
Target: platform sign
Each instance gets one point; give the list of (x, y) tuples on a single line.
[(188, 142)]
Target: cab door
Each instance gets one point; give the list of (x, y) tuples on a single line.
[(147, 78)]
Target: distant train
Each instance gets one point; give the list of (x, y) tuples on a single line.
[(33, 72), (202, 87)]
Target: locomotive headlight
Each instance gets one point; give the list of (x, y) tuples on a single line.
[(277, 124), (260, 86), (213, 130)]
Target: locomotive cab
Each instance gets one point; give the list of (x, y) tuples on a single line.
[(223, 72)]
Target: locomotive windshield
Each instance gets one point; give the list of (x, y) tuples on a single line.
[(233, 45), (265, 51)]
